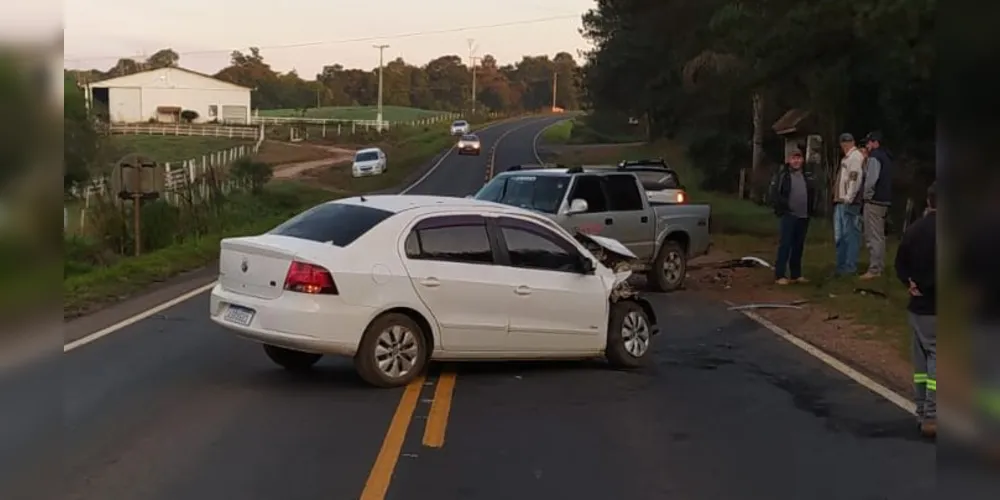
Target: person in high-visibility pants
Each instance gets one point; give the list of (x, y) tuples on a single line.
[(916, 267)]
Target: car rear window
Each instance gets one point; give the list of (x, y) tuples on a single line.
[(657, 180), (366, 156), (337, 223)]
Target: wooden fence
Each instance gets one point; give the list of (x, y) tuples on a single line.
[(187, 130)]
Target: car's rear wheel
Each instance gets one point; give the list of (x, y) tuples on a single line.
[(669, 268), (629, 335), (296, 361), (393, 351)]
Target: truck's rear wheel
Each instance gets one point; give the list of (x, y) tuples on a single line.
[(669, 269)]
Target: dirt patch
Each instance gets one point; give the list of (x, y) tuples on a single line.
[(284, 154), (852, 342)]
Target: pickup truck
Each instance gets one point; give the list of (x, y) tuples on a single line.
[(610, 201)]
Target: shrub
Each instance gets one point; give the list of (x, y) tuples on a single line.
[(252, 174), (189, 115)]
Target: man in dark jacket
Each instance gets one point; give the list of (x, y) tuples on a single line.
[(793, 197), (916, 267), (877, 199)]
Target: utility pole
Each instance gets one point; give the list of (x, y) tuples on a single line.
[(474, 60), (555, 79), (378, 118), (472, 66)]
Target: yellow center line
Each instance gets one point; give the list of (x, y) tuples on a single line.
[(437, 419), (381, 473)]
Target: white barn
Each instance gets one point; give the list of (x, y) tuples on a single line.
[(162, 94)]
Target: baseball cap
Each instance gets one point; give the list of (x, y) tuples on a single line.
[(846, 137), (874, 136), (795, 152)]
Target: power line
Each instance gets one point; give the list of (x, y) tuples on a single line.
[(350, 40)]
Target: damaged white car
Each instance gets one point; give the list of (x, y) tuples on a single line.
[(396, 281)]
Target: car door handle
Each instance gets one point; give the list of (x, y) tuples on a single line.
[(609, 221), (522, 290), (430, 282), (644, 219)]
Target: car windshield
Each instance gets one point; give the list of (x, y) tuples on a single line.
[(459, 124), (470, 138), (366, 156), (337, 223), (543, 193)]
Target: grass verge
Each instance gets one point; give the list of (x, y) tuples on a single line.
[(171, 148), (559, 133)]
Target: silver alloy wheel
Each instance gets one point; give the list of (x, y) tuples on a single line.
[(672, 267), (396, 351), (635, 333)]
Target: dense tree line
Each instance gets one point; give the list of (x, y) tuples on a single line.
[(444, 83), (719, 73)]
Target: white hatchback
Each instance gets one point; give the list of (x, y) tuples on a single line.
[(459, 127), (397, 280), (369, 161)]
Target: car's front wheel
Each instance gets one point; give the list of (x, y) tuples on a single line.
[(296, 361), (629, 335), (393, 351)]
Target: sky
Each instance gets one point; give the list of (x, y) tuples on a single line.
[(305, 35)]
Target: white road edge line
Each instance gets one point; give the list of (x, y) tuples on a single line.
[(135, 319), (534, 142), (834, 363), (104, 332)]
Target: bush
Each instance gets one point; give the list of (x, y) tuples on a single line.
[(189, 115), (252, 174)]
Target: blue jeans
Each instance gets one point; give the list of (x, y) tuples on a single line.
[(793, 239), (847, 237)]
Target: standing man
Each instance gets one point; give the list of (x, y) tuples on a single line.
[(793, 197), (916, 268), (877, 199), (847, 207)]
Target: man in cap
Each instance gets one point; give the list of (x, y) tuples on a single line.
[(847, 207), (877, 199), (793, 197)]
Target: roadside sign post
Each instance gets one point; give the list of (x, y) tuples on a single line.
[(131, 170)]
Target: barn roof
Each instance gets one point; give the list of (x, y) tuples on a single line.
[(112, 82)]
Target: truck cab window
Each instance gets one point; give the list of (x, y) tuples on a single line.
[(590, 188), (623, 193)]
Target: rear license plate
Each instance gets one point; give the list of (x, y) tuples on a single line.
[(239, 315)]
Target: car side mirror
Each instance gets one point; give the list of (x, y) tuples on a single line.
[(577, 206), (586, 265)]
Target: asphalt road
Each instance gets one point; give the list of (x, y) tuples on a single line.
[(173, 407)]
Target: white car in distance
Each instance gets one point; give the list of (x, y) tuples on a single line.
[(369, 161), (395, 281), (459, 127)]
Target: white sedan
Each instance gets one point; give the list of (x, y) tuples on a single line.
[(395, 281)]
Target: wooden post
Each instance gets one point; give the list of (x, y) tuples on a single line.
[(743, 181)]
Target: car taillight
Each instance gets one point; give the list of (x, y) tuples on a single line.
[(681, 197), (309, 278)]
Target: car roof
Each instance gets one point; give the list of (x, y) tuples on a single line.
[(368, 150), (397, 203), (541, 170)]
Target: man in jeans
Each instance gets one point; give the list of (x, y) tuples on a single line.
[(877, 199), (916, 268), (792, 196), (847, 207)]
